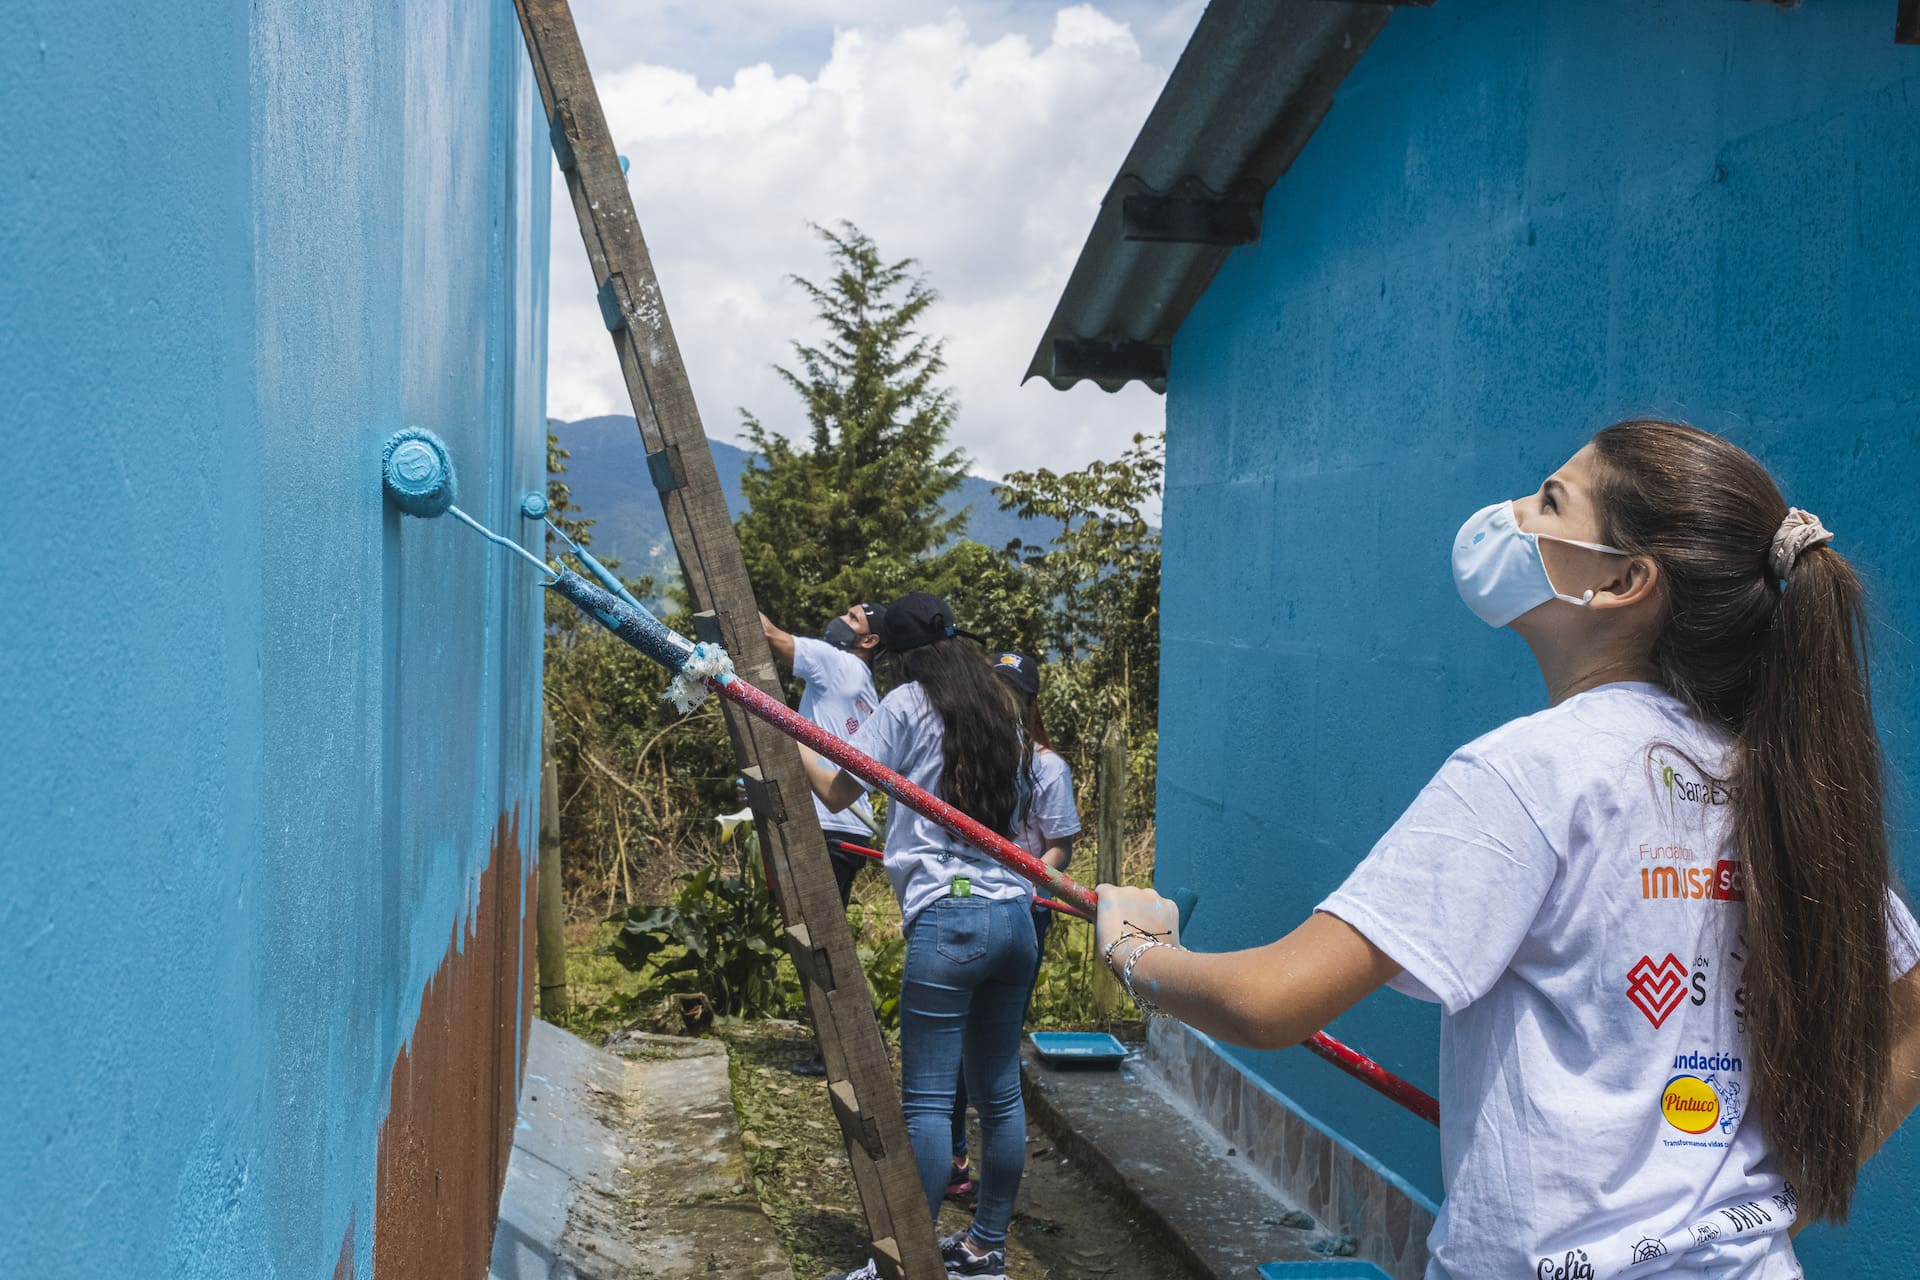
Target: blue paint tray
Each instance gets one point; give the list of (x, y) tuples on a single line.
[(1331, 1269), (1077, 1046)]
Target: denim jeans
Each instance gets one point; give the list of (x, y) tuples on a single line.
[(970, 965), (1042, 921)]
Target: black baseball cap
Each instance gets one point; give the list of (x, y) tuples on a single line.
[(917, 619), (1021, 670)]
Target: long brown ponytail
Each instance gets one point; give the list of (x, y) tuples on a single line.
[(1784, 667)]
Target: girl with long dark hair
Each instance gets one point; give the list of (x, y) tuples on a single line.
[(1048, 831), (952, 728), (1681, 998)]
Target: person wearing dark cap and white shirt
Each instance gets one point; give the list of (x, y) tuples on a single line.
[(1052, 823), (839, 696), (951, 728)]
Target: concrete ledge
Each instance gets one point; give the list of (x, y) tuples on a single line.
[(628, 1164), (1154, 1153), (1339, 1185)]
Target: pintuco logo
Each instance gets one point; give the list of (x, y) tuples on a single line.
[(1574, 1266)]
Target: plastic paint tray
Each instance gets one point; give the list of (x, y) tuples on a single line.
[(1077, 1046), (1331, 1269)]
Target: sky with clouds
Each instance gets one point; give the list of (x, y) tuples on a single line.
[(976, 137)]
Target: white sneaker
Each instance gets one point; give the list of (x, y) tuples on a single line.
[(869, 1272)]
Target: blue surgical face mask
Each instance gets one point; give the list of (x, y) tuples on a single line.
[(1498, 568)]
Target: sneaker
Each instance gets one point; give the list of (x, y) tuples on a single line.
[(868, 1272), (815, 1066), (961, 1261)]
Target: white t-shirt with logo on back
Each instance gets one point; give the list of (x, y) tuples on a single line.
[(839, 697), (1565, 889)]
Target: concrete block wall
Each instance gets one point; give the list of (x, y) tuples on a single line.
[(1519, 221), (270, 752)]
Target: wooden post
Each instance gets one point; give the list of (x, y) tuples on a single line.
[(859, 1075), (1109, 839), (550, 922)]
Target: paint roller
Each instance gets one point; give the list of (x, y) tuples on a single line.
[(418, 476)]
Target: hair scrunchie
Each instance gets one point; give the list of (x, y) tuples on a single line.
[(1799, 531)]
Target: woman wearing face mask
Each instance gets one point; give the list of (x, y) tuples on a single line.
[(951, 728), (1657, 914)]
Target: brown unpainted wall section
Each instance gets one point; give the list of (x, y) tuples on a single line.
[(449, 1127)]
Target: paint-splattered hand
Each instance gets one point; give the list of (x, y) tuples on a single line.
[(1128, 913)]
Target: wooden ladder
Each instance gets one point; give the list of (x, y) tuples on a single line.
[(859, 1076)]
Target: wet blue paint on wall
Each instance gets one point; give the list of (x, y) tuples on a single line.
[(1519, 221), (258, 730)]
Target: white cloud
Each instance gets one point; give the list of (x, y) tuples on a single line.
[(983, 157)]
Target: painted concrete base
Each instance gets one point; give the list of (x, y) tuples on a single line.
[(1387, 1219), (1156, 1153), (627, 1164)]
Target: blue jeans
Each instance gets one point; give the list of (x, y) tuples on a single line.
[(1042, 921), (970, 965)]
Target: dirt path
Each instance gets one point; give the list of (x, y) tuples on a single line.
[(1064, 1227)]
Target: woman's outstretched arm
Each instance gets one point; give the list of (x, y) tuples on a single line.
[(1267, 997)]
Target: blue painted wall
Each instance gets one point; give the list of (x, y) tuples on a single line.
[(256, 732), (1520, 221)]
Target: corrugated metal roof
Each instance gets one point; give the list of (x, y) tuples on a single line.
[(1251, 87)]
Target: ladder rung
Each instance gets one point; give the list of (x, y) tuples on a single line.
[(854, 1122), (813, 962), (763, 794)]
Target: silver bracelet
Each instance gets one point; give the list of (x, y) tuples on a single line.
[(1126, 974), (1106, 956)]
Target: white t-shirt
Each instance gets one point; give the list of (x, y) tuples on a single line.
[(1050, 814), (922, 858), (1565, 889), (839, 697)]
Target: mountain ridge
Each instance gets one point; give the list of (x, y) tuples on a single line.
[(607, 475)]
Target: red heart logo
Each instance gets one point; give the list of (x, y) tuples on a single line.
[(1657, 989)]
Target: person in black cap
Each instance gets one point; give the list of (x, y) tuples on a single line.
[(952, 728), (839, 696), (1052, 822)]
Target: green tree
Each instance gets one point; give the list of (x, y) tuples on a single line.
[(1100, 581), (855, 511)]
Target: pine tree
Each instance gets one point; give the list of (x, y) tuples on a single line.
[(855, 512)]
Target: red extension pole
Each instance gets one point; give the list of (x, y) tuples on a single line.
[(1077, 898)]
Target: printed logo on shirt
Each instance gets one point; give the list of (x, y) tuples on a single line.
[(862, 706), (1700, 981), (1645, 1249), (1680, 787), (1690, 1104), (1705, 1099), (1725, 883), (1574, 1266), (1657, 988)]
